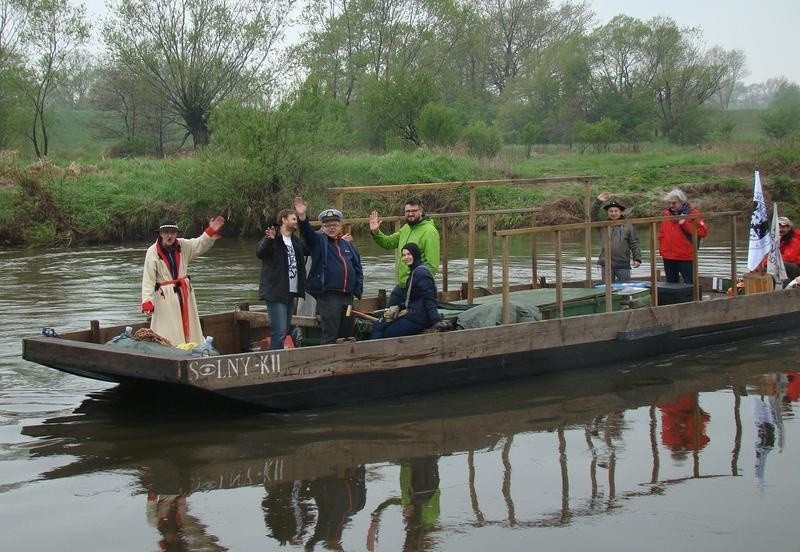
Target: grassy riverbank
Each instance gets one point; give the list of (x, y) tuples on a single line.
[(64, 202)]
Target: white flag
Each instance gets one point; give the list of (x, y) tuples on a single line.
[(774, 260), (759, 228)]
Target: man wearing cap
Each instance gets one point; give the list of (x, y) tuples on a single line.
[(336, 276), (790, 247), (283, 277), (167, 293), (625, 247), (418, 229)]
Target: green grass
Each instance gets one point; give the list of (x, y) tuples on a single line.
[(114, 199)]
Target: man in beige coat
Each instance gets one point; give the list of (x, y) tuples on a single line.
[(167, 294)]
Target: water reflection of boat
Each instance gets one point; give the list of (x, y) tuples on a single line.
[(249, 450), (312, 465)]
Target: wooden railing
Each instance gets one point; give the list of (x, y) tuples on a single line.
[(337, 196), (653, 222)]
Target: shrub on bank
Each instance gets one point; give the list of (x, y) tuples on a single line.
[(119, 199)]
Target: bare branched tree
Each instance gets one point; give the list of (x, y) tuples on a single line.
[(520, 31), (197, 52), (54, 31), (12, 20)]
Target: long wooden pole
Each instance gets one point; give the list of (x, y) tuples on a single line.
[(734, 270), (559, 279), (490, 252), (473, 202), (653, 265), (444, 253), (587, 235), (534, 262), (608, 267), (695, 267), (506, 284)]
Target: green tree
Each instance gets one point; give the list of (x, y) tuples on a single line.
[(736, 63), (554, 98), (196, 52), (682, 77), (53, 32), (599, 134), (530, 134), (437, 125), (620, 83), (518, 32), (12, 22), (355, 41), (481, 140), (391, 106), (286, 143), (134, 114), (781, 119)]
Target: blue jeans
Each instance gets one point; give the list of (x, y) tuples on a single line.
[(280, 318), (401, 326)]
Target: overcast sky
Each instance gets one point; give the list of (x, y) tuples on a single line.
[(767, 31)]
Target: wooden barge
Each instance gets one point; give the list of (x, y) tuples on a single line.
[(354, 372)]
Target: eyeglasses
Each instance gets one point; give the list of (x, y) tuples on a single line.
[(331, 225)]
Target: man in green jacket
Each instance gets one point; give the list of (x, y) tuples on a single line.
[(418, 229)]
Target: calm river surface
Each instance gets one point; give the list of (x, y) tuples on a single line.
[(693, 451)]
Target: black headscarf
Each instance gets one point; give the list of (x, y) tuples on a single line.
[(416, 253)]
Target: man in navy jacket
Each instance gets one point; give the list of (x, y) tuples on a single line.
[(335, 277)]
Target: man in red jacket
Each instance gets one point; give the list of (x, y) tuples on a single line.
[(675, 237)]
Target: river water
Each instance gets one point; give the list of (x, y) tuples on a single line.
[(694, 450)]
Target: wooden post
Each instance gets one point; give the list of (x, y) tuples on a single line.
[(587, 234), (695, 267), (608, 267), (534, 264), (653, 265), (490, 251), (244, 329), (506, 284), (473, 202), (95, 329), (734, 271), (444, 254), (559, 281)]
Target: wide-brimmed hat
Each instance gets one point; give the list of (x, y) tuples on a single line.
[(167, 224), (330, 215), (611, 204)]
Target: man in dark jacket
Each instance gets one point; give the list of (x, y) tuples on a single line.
[(624, 241), (283, 277), (336, 275)]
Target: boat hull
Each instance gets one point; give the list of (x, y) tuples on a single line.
[(351, 373)]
